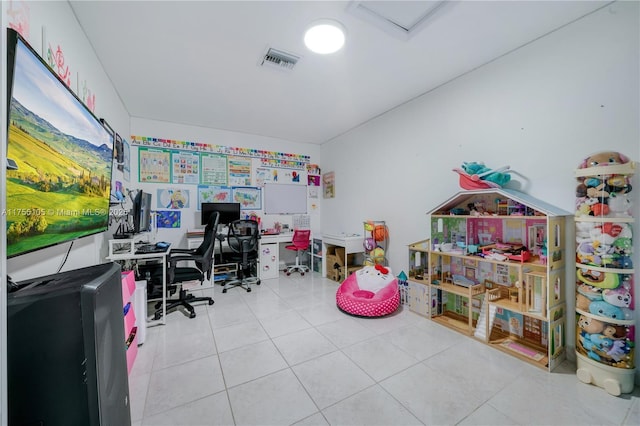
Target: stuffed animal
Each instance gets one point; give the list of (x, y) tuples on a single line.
[(591, 325), (605, 158), (475, 168), (614, 331), (598, 279), (582, 302), (586, 254), (374, 278), (603, 309), (620, 297), (619, 205), (619, 184), (590, 292), (583, 230)]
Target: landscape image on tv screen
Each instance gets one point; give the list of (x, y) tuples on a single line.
[(61, 187)]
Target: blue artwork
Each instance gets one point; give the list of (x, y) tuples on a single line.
[(168, 219)]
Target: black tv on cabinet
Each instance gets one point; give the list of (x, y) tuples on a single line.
[(66, 352)]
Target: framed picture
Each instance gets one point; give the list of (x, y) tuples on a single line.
[(328, 184)]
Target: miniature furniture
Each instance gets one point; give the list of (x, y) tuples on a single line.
[(494, 270), (243, 239), (369, 292), (605, 338), (177, 274), (300, 244)]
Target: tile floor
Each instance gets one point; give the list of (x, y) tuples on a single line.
[(283, 354)]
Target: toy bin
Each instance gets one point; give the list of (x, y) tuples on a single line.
[(376, 236), (605, 325)]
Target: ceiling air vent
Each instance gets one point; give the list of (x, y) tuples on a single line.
[(279, 59)]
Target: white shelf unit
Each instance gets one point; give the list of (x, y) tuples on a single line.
[(605, 349)]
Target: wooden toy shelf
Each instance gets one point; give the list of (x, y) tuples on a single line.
[(498, 278)]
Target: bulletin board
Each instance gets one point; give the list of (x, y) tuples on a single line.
[(191, 163), (274, 182)]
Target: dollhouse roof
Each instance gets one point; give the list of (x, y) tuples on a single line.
[(462, 197)]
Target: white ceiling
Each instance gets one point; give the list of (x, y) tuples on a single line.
[(198, 62)]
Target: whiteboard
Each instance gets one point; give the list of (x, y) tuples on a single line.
[(284, 198)]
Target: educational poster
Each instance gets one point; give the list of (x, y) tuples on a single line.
[(154, 165), (263, 175), (239, 171), (173, 198), (291, 176), (328, 182), (213, 169), (185, 167), (168, 219), (250, 198), (313, 180), (126, 163), (213, 194)]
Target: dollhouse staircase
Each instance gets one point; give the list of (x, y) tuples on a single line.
[(481, 328)]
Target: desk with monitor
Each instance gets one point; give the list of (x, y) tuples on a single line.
[(269, 255), (126, 250)]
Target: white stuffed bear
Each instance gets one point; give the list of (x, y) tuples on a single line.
[(374, 278), (619, 205)]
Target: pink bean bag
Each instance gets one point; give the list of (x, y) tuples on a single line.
[(370, 292)]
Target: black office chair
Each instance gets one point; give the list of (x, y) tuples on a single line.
[(203, 259), (242, 239)]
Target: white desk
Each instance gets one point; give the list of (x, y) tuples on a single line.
[(352, 244), (268, 252), (131, 255)]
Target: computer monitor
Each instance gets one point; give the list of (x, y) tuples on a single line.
[(228, 212), (141, 212)]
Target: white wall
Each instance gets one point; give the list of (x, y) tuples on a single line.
[(55, 22), (190, 217), (541, 110)]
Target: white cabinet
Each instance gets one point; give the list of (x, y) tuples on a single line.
[(269, 259)]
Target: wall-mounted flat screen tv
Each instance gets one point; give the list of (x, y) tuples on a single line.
[(58, 189)]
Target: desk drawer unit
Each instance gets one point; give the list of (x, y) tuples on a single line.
[(269, 260), (130, 329)]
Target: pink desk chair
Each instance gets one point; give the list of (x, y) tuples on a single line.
[(300, 243)]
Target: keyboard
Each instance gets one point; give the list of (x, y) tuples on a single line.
[(150, 248)]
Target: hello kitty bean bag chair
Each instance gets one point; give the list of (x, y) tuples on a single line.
[(370, 292)]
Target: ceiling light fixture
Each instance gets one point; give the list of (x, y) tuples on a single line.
[(324, 37)]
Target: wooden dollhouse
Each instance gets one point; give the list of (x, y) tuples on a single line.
[(495, 271)]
